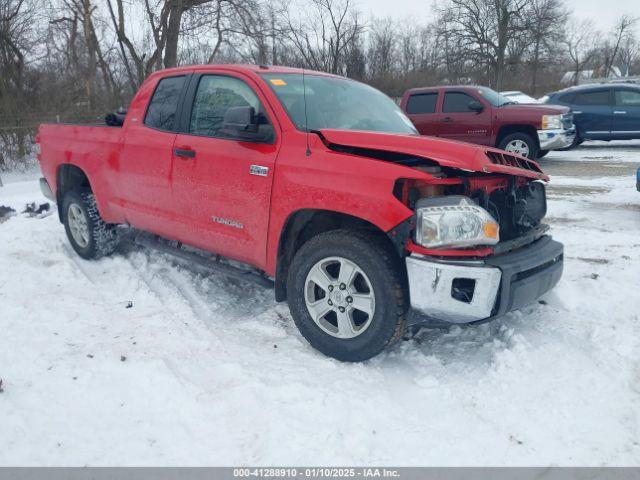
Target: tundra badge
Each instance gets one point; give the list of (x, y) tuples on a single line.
[(259, 170), (227, 222)]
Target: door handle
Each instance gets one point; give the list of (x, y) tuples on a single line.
[(447, 119), (184, 152), (577, 112), (619, 112)]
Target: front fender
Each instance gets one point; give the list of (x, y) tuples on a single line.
[(338, 182)]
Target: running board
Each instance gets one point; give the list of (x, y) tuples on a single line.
[(201, 263)]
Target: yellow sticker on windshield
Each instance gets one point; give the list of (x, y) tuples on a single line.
[(278, 82)]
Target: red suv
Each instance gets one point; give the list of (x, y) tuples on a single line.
[(480, 115)]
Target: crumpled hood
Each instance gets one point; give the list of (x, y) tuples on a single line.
[(446, 153)]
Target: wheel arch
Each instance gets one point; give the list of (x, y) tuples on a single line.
[(69, 177), (517, 128), (304, 224)]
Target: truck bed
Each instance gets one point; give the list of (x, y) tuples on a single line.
[(91, 147)]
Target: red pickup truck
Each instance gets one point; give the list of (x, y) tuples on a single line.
[(483, 116), (317, 185)]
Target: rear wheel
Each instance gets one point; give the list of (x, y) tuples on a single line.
[(346, 295), (521, 144), (542, 153), (90, 236)]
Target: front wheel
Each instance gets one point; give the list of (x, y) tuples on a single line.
[(521, 144), (346, 294)]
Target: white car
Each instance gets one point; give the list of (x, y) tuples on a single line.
[(519, 97)]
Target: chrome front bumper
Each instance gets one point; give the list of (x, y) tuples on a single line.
[(554, 139), (470, 291), (431, 285)]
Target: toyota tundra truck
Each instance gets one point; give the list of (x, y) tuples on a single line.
[(485, 117), (316, 185)]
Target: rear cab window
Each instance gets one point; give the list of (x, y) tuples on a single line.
[(566, 97), (598, 97), (422, 103), (163, 107)]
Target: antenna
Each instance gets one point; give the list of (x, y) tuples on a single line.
[(306, 122)]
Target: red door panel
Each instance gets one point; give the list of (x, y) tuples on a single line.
[(144, 180), (221, 187), (421, 109), (222, 206), (458, 122)]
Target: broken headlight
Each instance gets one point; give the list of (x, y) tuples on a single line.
[(454, 221)]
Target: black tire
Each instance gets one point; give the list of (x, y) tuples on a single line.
[(102, 238), (384, 271), (542, 153), (532, 144)]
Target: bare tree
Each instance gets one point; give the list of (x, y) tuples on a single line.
[(382, 43), (581, 45), (79, 14), (546, 19), (621, 33), (17, 32), (323, 37), (483, 29), (629, 53)]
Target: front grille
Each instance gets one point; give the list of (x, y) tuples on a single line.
[(502, 158)]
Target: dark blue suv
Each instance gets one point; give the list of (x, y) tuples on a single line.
[(609, 111)]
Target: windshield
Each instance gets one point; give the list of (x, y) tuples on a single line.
[(493, 97), (337, 103)]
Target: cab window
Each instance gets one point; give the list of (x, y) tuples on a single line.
[(599, 97), (456, 102), (420, 103), (163, 106), (215, 95)]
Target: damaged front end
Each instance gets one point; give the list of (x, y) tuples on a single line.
[(464, 283), (476, 246)]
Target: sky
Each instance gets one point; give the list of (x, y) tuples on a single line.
[(603, 12)]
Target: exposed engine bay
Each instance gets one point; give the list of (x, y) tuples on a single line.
[(517, 204)]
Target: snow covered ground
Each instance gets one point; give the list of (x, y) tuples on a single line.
[(133, 360)]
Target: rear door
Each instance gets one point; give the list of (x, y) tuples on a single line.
[(458, 122), (626, 114), (221, 184), (592, 112), (144, 188), (421, 109)]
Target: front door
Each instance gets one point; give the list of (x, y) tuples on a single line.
[(221, 183), (626, 114), (459, 122)]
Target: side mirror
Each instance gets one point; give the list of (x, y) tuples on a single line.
[(240, 121), (475, 106)]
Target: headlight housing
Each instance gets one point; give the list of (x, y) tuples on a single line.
[(551, 122), (454, 221)]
